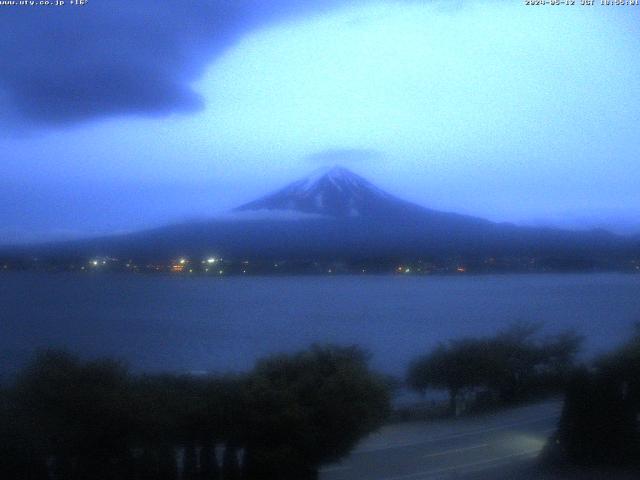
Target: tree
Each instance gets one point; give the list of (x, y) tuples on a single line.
[(598, 425), (169, 415), (80, 412), (21, 454), (514, 363), (599, 422), (455, 366), (514, 357), (95, 420), (624, 366), (522, 362), (310, 408)]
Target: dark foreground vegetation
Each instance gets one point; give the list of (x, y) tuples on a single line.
[(66, 419), (515, 365), (599, 429), (600, 423)]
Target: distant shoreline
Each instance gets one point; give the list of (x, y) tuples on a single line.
[(281, 274)]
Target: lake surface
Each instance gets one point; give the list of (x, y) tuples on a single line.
[(220, 324)]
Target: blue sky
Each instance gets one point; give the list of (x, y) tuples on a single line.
[(494, 109)]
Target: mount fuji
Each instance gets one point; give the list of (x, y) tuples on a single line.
[(335, 214), (332, 192), (339, 194)]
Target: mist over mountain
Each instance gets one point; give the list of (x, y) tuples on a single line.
[(334, 214)]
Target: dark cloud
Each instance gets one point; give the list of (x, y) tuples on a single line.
[(345, 155), (61, 65)]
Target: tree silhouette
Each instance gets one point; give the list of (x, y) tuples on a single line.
[(81, 412), (514, 363), (22, 455), (598, 424), (310, 408), (73, 420), (599, 421), (460, 364)]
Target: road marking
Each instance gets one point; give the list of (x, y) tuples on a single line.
[(456, 435), (456, 450), (430, 473)]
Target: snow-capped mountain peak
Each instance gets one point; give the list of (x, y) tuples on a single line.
[(333, 192), (337, 175)]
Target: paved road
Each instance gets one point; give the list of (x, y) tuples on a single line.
[(494, 444)]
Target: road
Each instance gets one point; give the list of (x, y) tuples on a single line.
[(496, 446)]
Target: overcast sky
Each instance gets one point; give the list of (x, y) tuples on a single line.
[(121, 115)]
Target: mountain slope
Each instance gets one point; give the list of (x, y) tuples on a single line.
[(338, 193), (336, 214), (334, 192)]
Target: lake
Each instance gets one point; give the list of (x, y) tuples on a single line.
[(182, 323)]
